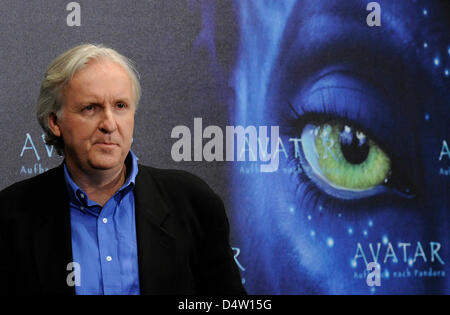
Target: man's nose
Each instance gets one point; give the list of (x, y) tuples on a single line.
[(108, 123)]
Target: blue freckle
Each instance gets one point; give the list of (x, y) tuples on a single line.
[(448, 50), (370, 223), (410, 262), (291, 209), (320, 208), (446, 72), (436, 61), (313, 233), (340, 215), (425, 45), (330, 242), (425, 12), (385, 240), (350, 231), (309, 217), (365, 232), (427, 117), (353, 263)]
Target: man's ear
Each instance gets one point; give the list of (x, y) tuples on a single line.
[(53, 124)]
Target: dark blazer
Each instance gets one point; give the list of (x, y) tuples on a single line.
[(181, 227)]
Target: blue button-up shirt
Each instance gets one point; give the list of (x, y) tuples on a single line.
[(104, 238)]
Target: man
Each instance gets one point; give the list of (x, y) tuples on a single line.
[(100, 223)]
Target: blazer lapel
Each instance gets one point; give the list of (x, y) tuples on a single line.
[(52, 236), (156, 246)]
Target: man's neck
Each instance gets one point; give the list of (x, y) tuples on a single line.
[(99, 185)]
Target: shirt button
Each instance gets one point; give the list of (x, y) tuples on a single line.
[(108, 258), (105, 220)]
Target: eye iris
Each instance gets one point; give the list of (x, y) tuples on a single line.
[(348, 159), (354, 145)]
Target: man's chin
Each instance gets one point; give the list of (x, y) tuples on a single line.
[(106, 161)]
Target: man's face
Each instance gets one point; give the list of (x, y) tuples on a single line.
[(97, 117)]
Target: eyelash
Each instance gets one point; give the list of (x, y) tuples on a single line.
[(93, 105), (307, 192), (125, 105)]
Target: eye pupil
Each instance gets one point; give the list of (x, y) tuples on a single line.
[(354, 145)]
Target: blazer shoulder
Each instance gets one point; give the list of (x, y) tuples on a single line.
[(178, 181), (17, 193), (185, 195)]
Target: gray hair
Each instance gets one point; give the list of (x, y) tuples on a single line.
[(62, 70)]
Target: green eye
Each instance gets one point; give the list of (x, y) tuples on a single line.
[(348, 159)]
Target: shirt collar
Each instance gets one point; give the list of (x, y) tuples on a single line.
[(132, 169), (77, 195)]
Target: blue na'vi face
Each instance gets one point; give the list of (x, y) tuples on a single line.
[(363, 116)]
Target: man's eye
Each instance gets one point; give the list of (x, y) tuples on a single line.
[(89, 107), (121, 105), (344, 162)]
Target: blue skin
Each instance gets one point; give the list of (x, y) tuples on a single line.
[(295, 235)]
